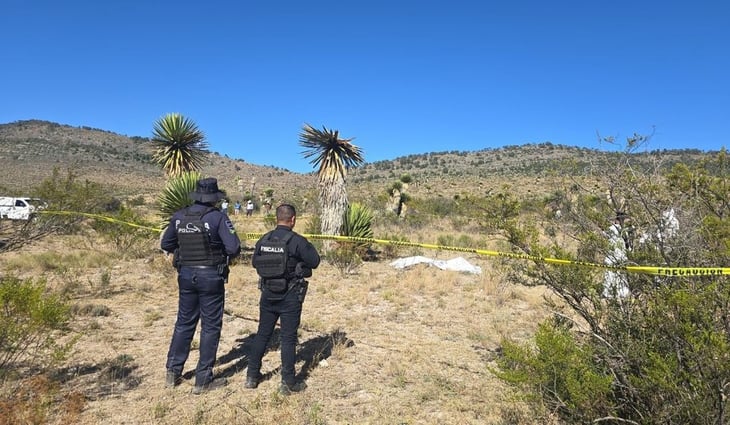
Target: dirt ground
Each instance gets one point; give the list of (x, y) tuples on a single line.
[(381, 345)]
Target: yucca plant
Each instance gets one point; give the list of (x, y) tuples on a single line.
[(176, 194), (357, 222), (332, 157), (179, 146)]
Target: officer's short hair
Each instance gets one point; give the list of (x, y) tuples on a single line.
[(285, 212)]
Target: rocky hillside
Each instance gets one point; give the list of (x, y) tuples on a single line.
[(30, 150)]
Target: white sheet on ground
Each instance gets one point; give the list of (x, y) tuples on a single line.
[(458, 264)]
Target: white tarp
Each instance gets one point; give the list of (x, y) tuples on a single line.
[(456, 264)]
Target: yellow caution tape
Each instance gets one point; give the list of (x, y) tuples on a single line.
[(100, 217), (653, 270)]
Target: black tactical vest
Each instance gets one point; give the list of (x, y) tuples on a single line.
[(193, 237), (272, 264), (273, 257)]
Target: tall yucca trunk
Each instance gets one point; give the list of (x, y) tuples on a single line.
[(333, 199)]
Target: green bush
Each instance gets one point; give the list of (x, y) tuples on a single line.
[(393, 250), (126, 230), (561, 366), (32, 321), (661, 355), (270, 220), (314, 227), (344, 258), (67, 200)]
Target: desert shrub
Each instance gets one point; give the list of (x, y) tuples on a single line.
[(314, 227), (532, 205), (39, 400), (495, 212), (446, 240), (561, 366), (344, 258), (392, 250), (462, 241), (435, 206), (69, 194), (93, 310), (137, 201), (125, 230), (33, 320), (270, 220), (66, 201), (658, 355)]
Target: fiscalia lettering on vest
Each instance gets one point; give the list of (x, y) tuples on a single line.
[(272, 249)]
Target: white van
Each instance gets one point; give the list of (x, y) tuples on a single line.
[(22, 208)]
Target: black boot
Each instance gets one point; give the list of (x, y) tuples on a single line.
[(210, 386), (286, 389), (172, 379)]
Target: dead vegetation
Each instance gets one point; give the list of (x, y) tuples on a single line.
[(377, 345)]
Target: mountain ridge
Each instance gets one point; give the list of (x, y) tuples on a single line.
[(31, 149)]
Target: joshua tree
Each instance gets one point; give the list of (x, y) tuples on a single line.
[(332, 157), (179, 145)]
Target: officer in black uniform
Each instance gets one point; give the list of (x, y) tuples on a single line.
[(203, 241), (303, 257)]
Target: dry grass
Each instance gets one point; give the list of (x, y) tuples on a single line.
[(381, 346)]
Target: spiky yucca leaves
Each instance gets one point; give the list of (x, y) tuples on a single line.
[(358, 222), (176, 194), (332, 157), (179, 146)]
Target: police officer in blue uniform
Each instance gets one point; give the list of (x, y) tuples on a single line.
[(203, 241), (302, 258)]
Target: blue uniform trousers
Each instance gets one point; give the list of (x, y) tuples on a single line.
[(289, 310), (201, 297)]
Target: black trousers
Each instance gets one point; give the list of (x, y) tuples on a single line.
[(201, 297), (289, 311)]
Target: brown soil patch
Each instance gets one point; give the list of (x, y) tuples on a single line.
[(381, 346)]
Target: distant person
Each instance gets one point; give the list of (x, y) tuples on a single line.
[(237, 208), (203, 241), (282, 259), (224, 206), (249, 208), (615, 283)]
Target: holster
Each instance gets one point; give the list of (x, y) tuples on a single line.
[(176, 259), (302, 286), (223, 271)]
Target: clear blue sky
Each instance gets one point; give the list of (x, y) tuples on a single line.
[(401, 77)]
